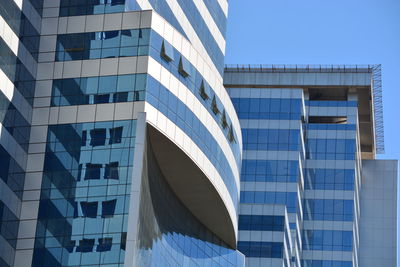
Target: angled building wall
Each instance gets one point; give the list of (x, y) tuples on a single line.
[(378, 213)]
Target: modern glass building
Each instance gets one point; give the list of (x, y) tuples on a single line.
[(310, 139), (121, 146)]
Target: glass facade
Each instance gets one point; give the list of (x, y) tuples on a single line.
[(19, 48), (175, 238), (84, 177), (90, 7), (304, 154), (328, 240), (98, 90), (85, 194), (263, 135), (106, 44)]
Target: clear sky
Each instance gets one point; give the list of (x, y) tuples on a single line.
[(323, 32)]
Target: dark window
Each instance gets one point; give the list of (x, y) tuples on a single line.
[(214, 106), (100, 99), (89, 209), (223, 120), (167, 52), (261, 249), (108, 208), (85, 245), (117, 2), (104, 244), (75, 208), (327, 119), (92, 171), (123, 240), (79, 176), (115, 135), (338, 94), (98, 137), (70, 246), (203, 91), (231, 136), (184, 67), (84, 138), (111, 171), (261, 222), (120, 97)]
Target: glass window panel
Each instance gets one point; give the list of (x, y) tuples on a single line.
[(115, 135), (103, 98), (92, 171), (120, 97), (108, 208), (89, 209), (85, 245), (111, 171), (98, 137), (104, 244)]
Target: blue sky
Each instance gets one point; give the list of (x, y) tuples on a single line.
[(323, 32)]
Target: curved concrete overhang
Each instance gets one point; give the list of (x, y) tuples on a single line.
[(194, 189)]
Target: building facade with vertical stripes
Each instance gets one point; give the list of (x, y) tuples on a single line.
[(310, 139)]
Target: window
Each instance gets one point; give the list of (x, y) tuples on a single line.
[(84, 138), (261, 222), (327, 119), (70, 246), (321, 94), (223, 120), (92, 171), (203, 92), (111, 171), (123, 241), (107, 44), (167, 52), (85, 245), (214, 106), (79, 176), (108, 208), (98, 137), (101, 99), (115, 135), (184, 67), (75, 209), (120, 97), (104, 244), (329, 240), (261, 249), (89, 209), (231, 136)]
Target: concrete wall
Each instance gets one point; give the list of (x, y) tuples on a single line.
[(378, 222)]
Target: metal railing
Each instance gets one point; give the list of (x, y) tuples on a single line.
[(301, 68)]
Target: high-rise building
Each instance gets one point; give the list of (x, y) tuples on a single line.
[(312, 192), (120, 145)]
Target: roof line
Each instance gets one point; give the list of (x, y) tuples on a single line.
[(376, 87), (300, 68)]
